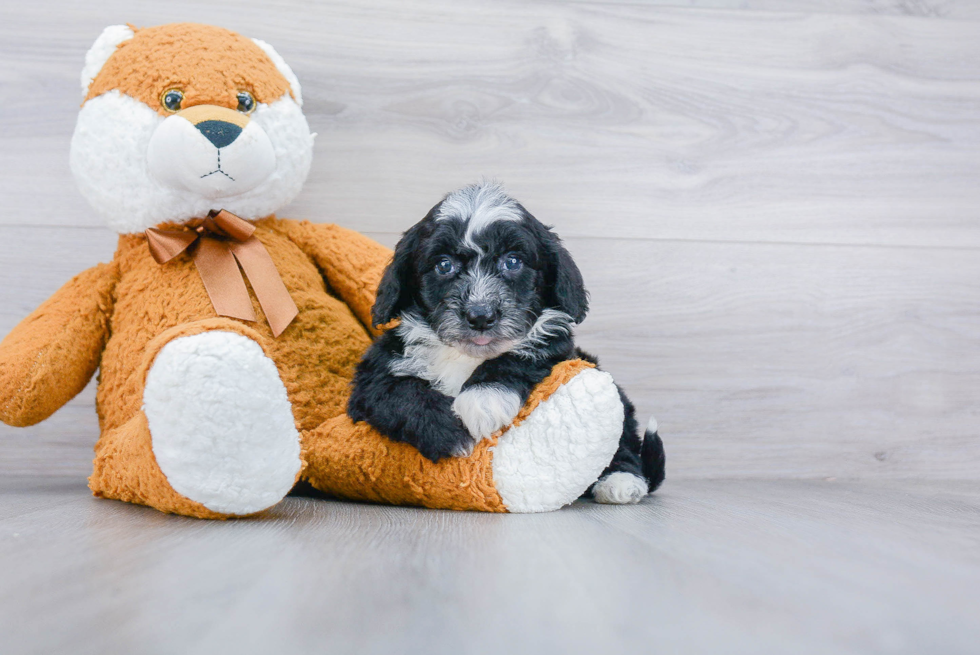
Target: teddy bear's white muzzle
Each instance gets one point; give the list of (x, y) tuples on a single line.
[(213, 158)]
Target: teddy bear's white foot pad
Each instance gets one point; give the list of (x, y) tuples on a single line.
[(551, 458), (221, 423)]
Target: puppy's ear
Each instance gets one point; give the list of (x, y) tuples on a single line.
[(564, 287), (395, 289)]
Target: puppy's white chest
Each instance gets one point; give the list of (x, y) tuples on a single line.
[(443, 366)]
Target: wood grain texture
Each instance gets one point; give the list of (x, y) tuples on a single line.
[(776, 209), (768, 360), (611, 119), (732, 295), (703, 567), (796, 361), (954, 9)]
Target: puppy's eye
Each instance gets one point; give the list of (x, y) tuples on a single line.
[(445, 266), (246, 103), (511, 262), (171, 100)]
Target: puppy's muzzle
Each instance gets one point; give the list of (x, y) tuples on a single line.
[(482, 317)]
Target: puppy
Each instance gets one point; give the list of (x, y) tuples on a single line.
[(487, 297)]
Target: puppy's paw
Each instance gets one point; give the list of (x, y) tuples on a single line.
[(445, 436), (485, 408), (620, 488), (464, 448)]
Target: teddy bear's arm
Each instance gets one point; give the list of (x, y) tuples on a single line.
[(51, 355), (351, 262)]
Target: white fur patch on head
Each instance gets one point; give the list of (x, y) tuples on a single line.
[(620, 488), (478, 205), (109, 159), (483, 287), (427, 358), (283, 69), (222, 426), (485, 408), (550, 459), (101, 50)]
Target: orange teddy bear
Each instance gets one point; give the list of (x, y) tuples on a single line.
[(226, 337)]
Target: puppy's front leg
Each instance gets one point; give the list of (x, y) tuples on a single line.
[(496, 391), (485, 408), (407, 409)]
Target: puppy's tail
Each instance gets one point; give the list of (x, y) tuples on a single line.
[(652, 456)]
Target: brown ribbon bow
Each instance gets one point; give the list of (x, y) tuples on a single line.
[(222, 238)]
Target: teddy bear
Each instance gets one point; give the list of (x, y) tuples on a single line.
[(226, 337)]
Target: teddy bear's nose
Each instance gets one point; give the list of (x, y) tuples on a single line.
[(220, 133)]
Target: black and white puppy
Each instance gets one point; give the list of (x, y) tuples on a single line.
[(487, 297)]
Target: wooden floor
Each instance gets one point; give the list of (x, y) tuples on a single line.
[(776, 207), (704, 566)]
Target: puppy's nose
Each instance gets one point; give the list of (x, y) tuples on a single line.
[(481, 317)]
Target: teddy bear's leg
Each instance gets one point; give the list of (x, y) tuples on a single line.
[(221, 423), (216, 436), (126, 470), (559, 444), (559, 449)]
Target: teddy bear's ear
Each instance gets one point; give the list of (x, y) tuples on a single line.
[(101, 50), (283, 68)]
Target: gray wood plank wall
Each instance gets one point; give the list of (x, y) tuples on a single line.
[(776, 205)]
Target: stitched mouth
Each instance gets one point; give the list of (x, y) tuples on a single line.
[(218, 169)]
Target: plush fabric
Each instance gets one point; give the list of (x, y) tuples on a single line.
[(51, 355), (316, 354), (212, 417), (222, 422), (353, 461), (125, 466), (103, 48), (556, 451), (210, 66), (109, 161)]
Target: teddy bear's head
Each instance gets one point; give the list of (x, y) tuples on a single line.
[(181, 119)]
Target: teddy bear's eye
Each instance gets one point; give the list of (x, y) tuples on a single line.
[(246, 103), (171, 100)]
